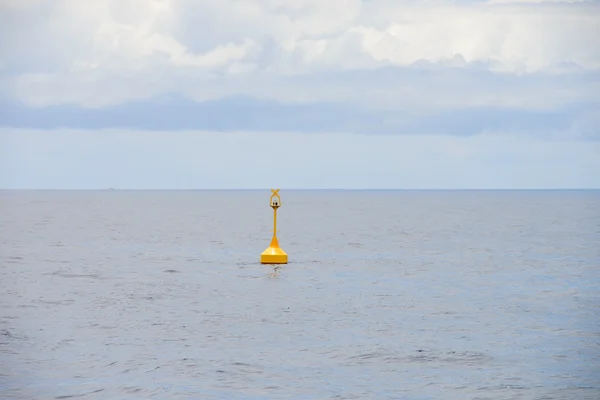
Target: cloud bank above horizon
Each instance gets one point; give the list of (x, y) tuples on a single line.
[(520, 72)]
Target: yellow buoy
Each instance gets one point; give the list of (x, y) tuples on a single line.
[(274, 254)]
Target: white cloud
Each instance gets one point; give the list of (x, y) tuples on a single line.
[(110, 51)]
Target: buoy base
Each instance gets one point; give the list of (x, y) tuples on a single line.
[(274, 254)]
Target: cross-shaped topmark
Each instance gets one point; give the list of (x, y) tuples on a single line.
[(275, 200)]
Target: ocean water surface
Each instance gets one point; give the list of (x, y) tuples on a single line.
[(387, 295)]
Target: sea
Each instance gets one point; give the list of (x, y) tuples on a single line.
[(390, 294)]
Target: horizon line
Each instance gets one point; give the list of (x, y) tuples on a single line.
[(292, 189)]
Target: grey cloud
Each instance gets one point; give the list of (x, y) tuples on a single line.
[(249, 114), (427, 87)]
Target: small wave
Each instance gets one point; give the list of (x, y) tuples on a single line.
[(420, 356), (55, 302), (72, 275), (70, 396)]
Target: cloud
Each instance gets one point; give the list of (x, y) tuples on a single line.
[(109, 52), (174, 113)]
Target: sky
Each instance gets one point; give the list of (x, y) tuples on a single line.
[(299, 94)]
